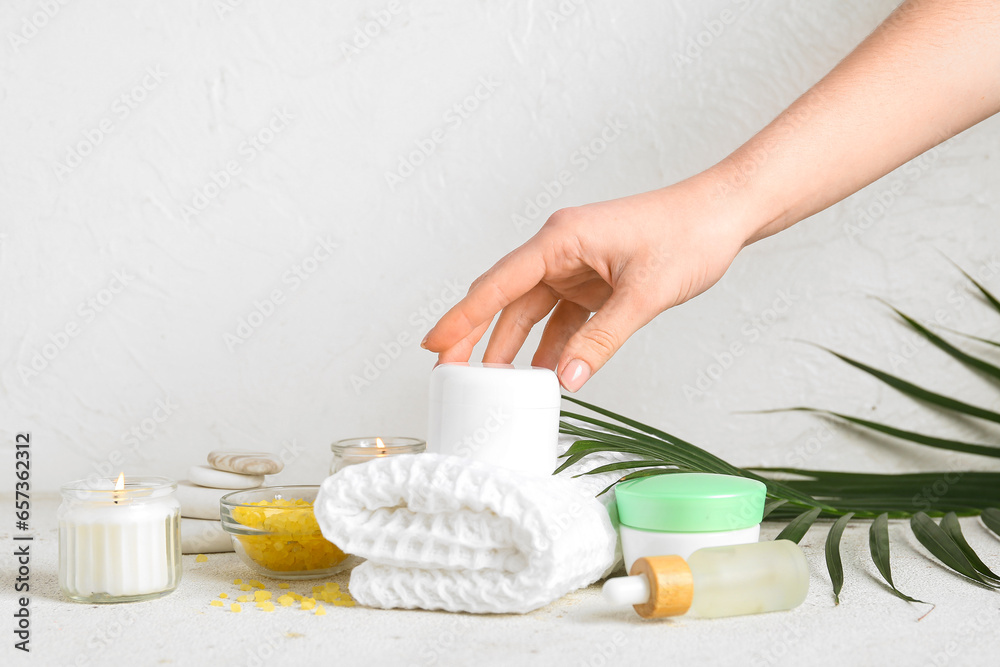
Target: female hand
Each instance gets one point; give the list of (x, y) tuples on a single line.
[(625, 260)]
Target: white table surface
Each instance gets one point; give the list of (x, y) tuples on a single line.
[(870, 627)]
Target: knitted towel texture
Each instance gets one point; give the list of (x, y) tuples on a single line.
[(443, 532)]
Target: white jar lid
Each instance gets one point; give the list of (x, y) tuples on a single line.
[(521, 387)]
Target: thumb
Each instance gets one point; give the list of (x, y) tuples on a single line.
[(624, 313)]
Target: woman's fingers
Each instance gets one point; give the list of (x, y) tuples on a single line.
[(602, 335), (566, 320), (516, 321), (462, 350), (509, 278)]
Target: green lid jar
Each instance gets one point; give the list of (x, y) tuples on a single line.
[(679, 513)]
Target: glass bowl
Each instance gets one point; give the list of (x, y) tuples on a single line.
[(274, 531)]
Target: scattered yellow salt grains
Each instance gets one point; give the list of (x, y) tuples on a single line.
[(265, 605), (320, 611), (200, 558), (260, 596), (256, 584), (283, 585), (244, 587), (243, 598), (235, 607), (223, 595), (308, 603), (216, 603), (237, 582), (286, 600)]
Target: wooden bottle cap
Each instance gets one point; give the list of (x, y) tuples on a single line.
[(671, 586)]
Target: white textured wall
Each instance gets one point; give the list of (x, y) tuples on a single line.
[(166, 169)]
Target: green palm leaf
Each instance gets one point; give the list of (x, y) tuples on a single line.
[(920, 393), (833, 563), (798, 526), (937, 541), (991, 518), (951, 526), (878, 544), (919, 438)]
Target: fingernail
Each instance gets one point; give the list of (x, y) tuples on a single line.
[(423, 343), (575, 374)]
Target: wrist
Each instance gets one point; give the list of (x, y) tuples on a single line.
[(739, 203)]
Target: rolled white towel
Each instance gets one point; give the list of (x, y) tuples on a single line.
[(442, 532)]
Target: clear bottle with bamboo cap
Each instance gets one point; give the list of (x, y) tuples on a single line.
[(717, 581)]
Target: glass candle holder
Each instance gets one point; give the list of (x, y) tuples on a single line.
[(358, 450), (119, 545)]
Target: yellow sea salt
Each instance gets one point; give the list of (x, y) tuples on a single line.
[(286, 600), (243, 598), (295, 542), (200, 558), (308, 603), (216, 603), (223, 595), (244, 587), (265, 606), (320, 611), (283, 585), (260, 596), (256, 584), (235, 607), (237, 581)]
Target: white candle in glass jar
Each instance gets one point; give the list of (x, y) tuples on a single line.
[(119, 545), (359, 450)]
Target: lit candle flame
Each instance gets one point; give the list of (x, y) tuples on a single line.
[(381, 446), (120, 484)]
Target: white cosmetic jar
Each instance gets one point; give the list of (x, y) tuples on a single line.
[(500, 414)]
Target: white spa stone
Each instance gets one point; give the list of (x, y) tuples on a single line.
[(201, 536), (199, 502), (246, 463), (220, 479)]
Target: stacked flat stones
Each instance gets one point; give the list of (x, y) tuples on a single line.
[(201, 524)]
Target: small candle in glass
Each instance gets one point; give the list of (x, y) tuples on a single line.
[(119, 541), (359, 450)]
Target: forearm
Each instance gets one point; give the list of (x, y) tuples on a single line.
[(930, 71)]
